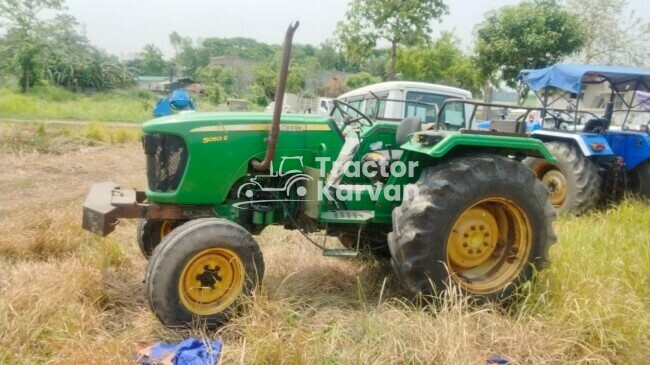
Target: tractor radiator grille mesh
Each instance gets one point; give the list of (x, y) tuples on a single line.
[(166, 161)]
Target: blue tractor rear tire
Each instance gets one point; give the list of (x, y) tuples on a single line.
[(639, 180), (574, 181)]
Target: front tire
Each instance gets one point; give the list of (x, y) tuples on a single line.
[(200, 270), (481, 223), (573, 181)]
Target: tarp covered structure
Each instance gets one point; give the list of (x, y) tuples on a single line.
[(570, 77)]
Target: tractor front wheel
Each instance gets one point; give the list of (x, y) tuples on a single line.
[(482, 224), (573, 181), (639, 180), (151, 232), (200, 270)]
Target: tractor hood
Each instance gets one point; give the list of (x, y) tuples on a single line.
[(196, 158), (205, 122)]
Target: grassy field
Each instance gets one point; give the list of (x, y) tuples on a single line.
[(68, 297), (51, 103), (55, 103)]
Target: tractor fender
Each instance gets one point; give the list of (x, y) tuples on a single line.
[(582, 140), (439, 145)]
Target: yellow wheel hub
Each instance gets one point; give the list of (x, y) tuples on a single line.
[(555, 182), (211, 281), (488, 245), (166, 228), (474, 238)]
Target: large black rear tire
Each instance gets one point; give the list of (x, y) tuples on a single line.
[(573, 181), (485, 218), (200, 271), (639, 180)]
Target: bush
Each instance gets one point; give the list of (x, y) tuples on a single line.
[(214, 94), (362, 79), (52, 93)]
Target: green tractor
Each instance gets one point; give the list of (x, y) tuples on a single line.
[(447, 206)]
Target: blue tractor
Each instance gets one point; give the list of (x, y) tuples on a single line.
[(180, 100), (607, 154)]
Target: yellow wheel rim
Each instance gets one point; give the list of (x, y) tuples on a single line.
[(211, 281), (488, 245), (166, 228), (555, 181)]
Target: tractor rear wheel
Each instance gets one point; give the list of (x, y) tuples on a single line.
[(151, 232), (639, 180), (573, 181), (482, 224), (200, 271)]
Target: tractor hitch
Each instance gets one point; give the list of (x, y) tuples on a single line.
[(107, 202)]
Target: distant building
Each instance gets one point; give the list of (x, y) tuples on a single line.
[(242, 69), (149, 82), (162, 83)]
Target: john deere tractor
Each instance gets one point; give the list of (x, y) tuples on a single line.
[(448, 207)]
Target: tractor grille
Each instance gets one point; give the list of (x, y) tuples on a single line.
[(166, 161)]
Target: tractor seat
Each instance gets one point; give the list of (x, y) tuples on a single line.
[(407, 127), (594, 126)]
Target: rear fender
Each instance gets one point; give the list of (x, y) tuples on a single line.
[(441, 144), (581, 140), (633, 147)]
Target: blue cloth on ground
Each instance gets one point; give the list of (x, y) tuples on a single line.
[(189, 352), (495, 360)]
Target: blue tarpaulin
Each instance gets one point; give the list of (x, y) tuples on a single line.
[(570, 77), (189, 352)]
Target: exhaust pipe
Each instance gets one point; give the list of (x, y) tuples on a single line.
[(272, 140)]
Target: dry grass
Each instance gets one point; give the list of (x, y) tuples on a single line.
[(67, 297)]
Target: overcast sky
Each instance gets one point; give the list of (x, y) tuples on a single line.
[(122, 27)]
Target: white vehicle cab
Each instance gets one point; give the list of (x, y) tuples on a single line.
[(396, 100)]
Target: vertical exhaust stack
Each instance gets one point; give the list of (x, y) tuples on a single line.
[(272, 140)]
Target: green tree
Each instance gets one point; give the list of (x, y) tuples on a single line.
[(532, 34), (187, 57), (613, 36), (25, 32), (246, 48), (400, 22), (361, 79), (442, 62), (265, 77), (71, 61), (153, 63)]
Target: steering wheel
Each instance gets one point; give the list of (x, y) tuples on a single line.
[(347, 118), (559, 122)]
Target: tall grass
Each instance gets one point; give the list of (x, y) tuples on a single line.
[(68, 297), (47, 102), (61, 138)]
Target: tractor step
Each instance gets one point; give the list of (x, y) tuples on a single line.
[(347, 216), (339, 252)]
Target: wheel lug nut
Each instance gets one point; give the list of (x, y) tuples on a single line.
[(485, 243), (465, 244), (481, 227), (470, 251), (473, 228), (478, 250), (486, 234), (466, 235)]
